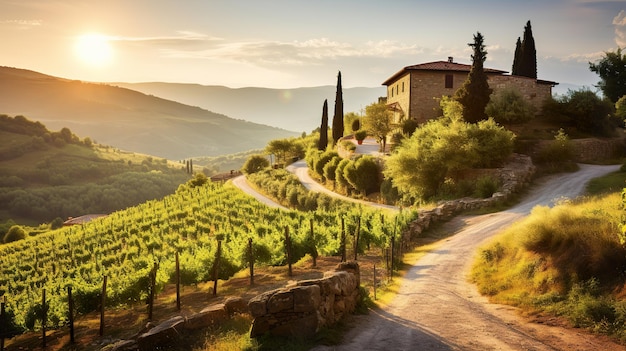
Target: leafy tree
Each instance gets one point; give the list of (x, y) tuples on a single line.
[(284, 148), (15, 233), (409, 126), (323, 141), (338, 116), (339, 173), (517, 57), (378, 121), (442, 148), (509, 106), (56, 223), (527, 61), (356, 123), (362, 174), (330, 167), (255, 163), (620, 108), (612, 71), (323, 160), (475, 92), (589, 113)]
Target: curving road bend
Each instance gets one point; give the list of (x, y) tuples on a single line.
[(301, 170), (437, 309)]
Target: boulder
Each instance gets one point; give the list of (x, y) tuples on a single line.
[(166, 333), (208, 317)]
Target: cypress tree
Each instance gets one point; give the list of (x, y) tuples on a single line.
[(338, 116), (323, 142), (528, 62), (517, 57), (474, 93)]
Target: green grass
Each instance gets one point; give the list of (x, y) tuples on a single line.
[(613, 182), (568, 261)]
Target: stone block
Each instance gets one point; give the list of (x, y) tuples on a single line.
[(280, 301), (208, 317), (236, 305), (306, 298), (166, 333)]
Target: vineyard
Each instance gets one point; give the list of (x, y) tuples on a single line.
[(126, 246)]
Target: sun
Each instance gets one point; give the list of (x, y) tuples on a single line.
[(94, 49)]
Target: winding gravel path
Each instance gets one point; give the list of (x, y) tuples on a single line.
[(437, 309)]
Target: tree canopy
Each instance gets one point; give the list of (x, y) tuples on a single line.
[(338, 116), (525, 60), (475, 92), (323, 140), (440, 149), (612, 71), (378, 121)]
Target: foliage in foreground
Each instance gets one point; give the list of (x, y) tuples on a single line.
[(566, 260)]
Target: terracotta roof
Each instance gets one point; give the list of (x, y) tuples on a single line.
[(444, 66), (82, 219)]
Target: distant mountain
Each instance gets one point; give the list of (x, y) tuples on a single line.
[(299, 109), (128, 119)]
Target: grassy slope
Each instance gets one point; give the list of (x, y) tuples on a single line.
[(568, 261), (52, 172)]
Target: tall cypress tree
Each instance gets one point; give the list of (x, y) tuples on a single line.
[(474, 93), (338, 116), (517, 58), (323, 142), (528, 62)]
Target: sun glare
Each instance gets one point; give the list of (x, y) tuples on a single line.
[(94, 49)]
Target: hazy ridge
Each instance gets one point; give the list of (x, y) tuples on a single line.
[(298, 109), (128, 119)]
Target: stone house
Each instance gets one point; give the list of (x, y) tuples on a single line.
[(414, 91)]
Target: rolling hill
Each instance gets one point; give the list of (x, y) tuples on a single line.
[(128, 119), (297, 109)]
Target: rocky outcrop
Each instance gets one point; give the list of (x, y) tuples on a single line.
[(302, 309)]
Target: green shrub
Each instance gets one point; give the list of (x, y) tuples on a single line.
[(486, 187), (509, 106), (255, 163), (15, 233)]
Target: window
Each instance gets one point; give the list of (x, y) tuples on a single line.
[(403, 87), (449, 81)]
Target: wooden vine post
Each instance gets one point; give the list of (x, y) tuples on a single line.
[(314, 253), (288, 248), (2, 315), (251, 261), (70, 308), (357, 233), (43, 318), (374, 284), (343, 240), (103, 298), (153, 274), (177, 282), (216, 264)]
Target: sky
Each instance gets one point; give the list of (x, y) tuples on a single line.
[(298, 43)]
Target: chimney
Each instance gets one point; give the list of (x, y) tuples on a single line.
[(450, 59)]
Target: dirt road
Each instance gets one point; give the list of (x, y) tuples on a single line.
[(436, 309)]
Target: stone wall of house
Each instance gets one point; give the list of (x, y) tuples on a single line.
[(302, 309), (427, 88), (421, 101), (533, 92)]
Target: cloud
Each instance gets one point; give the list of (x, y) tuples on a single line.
[(620, 29), (295, 53), (22, 23), (183, 38)]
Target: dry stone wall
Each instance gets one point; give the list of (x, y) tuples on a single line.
[(302, 309)]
